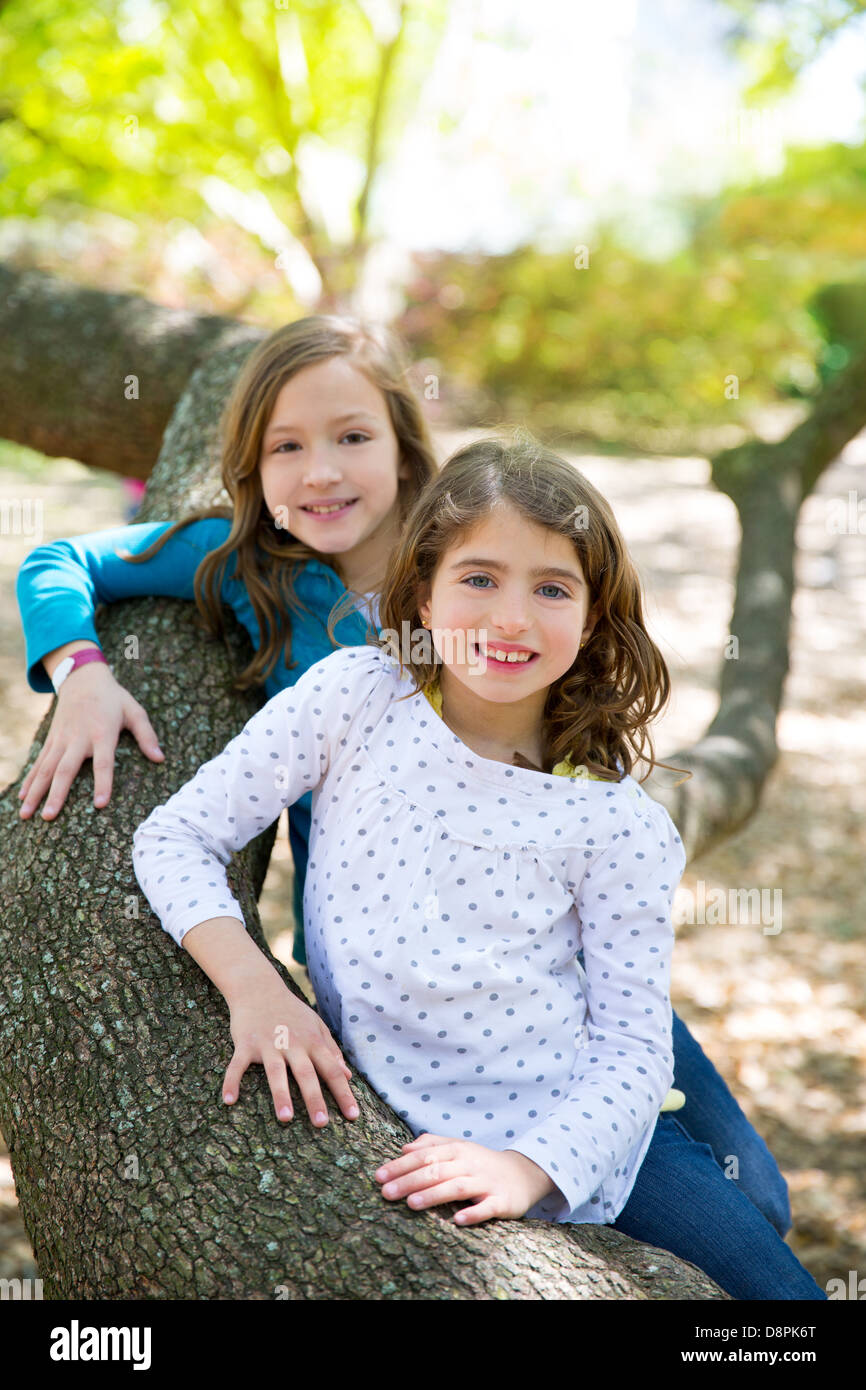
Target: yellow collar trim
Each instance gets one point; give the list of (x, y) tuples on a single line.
[(565, 768)]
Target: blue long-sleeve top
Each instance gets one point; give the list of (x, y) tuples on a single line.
[(60, 585)]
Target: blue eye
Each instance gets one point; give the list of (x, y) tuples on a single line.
[(469, 580)]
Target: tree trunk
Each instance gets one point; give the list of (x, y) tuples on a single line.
[(134, 1179), (768, 484)]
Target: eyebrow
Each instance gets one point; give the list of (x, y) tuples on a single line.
[(534, 573), (335, 420)]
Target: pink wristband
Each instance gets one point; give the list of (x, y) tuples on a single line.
[(71, 663)]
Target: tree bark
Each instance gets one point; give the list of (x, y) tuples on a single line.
[(95, 376), (768, 484), (134, 1179)]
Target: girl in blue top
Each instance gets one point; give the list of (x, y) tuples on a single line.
[(321, 413)]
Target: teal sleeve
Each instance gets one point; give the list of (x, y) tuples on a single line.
[(60, 585)]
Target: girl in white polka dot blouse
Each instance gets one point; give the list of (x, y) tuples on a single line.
[(488, 900)]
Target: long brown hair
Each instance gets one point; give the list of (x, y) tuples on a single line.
[(599, 711), (269, 574)]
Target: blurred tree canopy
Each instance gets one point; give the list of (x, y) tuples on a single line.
[(777, 39), (222, 155), (157, 110), (764, 301), (768, 290)]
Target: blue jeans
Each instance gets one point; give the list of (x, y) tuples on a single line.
[(730, 1227)]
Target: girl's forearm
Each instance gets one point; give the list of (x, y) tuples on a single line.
[(228, 956)]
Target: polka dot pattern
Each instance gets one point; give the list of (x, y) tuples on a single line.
[(447, 897)]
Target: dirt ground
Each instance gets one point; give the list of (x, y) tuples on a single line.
[(782, 1015)]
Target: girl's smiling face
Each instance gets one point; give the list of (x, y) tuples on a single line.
[(330, 441), (513, 585)]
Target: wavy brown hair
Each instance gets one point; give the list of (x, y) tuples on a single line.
[(267, 556), (599, 711)]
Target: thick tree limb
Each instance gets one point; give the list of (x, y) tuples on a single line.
[(67, 353), (768, 484)]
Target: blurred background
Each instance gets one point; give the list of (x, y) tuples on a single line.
[(637, 228)]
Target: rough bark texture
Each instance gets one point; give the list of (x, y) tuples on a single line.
[(67, 353)]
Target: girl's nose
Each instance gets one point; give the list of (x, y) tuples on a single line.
[(510, 617), (505, 631), (320, 467)]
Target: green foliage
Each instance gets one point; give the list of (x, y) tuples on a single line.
[(138, 110), (132, 107), (626, 341), (777, 41)]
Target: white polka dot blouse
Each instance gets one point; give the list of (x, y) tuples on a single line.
[(446, 899)]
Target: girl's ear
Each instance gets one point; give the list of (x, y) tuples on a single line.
[(422, 600), (592, 618)]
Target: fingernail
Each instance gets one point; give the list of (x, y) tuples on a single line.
[(320, 1118), (285, 1113), (353, 1112), (49, 811), (228, 1097), (380, 1173), (158, 751)]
